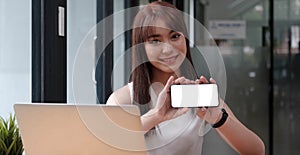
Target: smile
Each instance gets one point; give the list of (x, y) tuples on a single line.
[(169, 60)]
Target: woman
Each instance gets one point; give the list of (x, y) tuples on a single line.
[(161, 57)]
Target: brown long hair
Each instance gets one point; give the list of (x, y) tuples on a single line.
[(144, 26)]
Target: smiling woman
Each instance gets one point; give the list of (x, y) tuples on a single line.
[(162, 57), (158, 37)]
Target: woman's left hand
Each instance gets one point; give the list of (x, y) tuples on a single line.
[(211, 115)]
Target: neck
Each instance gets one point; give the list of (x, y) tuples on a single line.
[(161, 76)]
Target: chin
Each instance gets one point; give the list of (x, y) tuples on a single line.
[(169, 69)]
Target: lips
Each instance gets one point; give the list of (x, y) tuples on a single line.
[(169, 60)]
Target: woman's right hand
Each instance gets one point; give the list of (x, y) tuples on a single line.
[(163, 106), (163, 110)]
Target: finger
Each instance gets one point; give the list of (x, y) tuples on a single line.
[(212, 81), (169, 83), (203, 109), (203, 79), (183, 80), (201, 112), (188, 81), (179, 80)]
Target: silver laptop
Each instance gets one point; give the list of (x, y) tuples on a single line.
[(61, 129)]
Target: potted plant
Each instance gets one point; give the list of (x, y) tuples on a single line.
[(10, 139)]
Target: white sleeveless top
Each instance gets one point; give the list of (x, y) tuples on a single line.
[(182, 135)]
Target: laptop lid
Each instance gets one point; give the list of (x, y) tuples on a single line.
[(64, 129)]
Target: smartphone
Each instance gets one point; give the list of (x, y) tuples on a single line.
[(197, 95)]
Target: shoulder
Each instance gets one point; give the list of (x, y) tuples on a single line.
[(120, 96)]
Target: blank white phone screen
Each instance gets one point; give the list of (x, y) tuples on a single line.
[(202, 95)]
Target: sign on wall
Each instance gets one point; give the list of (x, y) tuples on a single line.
[(227, 29)]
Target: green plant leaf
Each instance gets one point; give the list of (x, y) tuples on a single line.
[(3, 146), (8, 152), (10, 139)]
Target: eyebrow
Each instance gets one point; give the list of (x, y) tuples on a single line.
[(154, 36), (158, 35)]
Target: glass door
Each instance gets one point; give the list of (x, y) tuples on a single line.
[(240, 29), (286, 76)]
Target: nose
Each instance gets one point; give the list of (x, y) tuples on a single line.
[(167, 48)]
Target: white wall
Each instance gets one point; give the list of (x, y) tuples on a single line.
[(15, 54), (81, 18), (81, 22)]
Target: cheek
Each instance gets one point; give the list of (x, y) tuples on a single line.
[(151, 52), (181, 46)]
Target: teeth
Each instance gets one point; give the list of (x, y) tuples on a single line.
[(169, 59)]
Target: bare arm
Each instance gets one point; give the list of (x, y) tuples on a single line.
[(122, 97), (240, 137), (161, 112), (232, 131)]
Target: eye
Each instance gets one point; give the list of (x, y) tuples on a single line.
[(154, 41), (176, 36)]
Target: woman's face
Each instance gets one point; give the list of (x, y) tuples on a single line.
[(165, 49)]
